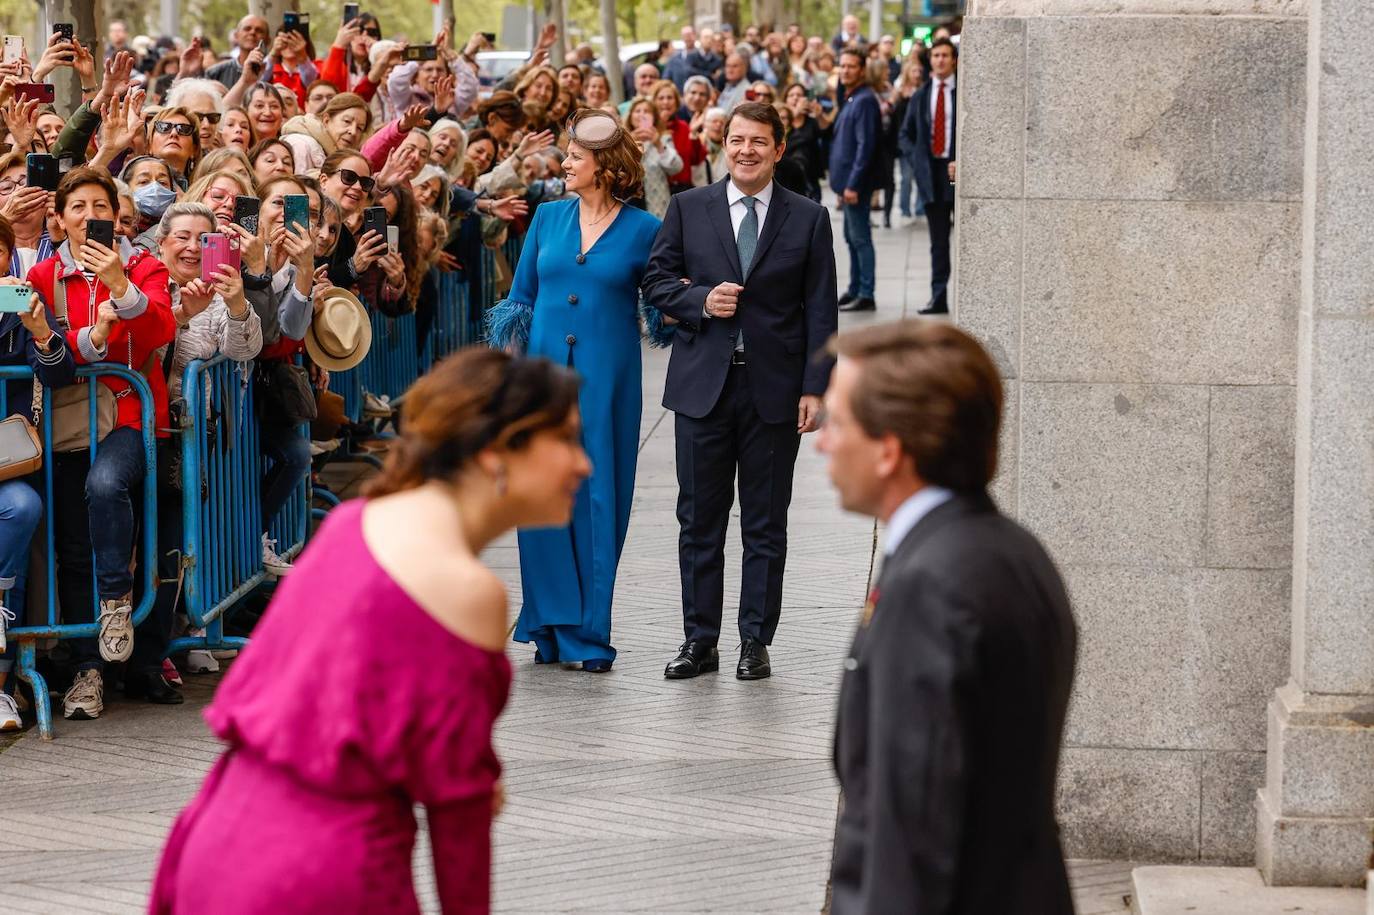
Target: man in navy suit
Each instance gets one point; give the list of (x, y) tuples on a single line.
[(929, 130), (854, 162), (747, 270)]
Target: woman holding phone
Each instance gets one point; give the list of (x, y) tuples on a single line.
[(346, 176), (118, 309)]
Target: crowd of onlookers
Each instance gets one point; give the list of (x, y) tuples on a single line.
[(376, 166)]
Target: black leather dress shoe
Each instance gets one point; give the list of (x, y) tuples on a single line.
[(860, 305), (692, 658), (152, 688), (847, 298), (753, 661), (934, 308)]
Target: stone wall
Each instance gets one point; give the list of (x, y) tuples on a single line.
[(1129, 241)]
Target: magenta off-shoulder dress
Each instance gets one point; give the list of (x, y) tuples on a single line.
[(351, 705)]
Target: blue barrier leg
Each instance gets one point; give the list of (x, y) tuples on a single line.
[(42, 703), (326, 496)]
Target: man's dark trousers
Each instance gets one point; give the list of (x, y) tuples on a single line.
[(708, 451), (939, 216)]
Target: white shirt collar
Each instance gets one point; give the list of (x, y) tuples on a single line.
[(910, 513), (734, 195), (947, 82)]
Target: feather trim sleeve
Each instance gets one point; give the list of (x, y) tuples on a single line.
[(659, 333), (508, 325)]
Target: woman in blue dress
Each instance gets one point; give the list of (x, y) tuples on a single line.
[(575, 300)]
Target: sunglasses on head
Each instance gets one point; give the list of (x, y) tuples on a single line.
[(166, 127), (349, 177)]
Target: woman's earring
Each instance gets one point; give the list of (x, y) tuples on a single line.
[(501, 480)]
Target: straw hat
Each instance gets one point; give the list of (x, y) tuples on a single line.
[(340, 334)]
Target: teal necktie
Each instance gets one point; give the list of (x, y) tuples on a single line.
[(748, 239)]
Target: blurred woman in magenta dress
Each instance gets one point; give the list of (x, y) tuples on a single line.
[(374, 680)]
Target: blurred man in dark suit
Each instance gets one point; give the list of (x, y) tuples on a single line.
[(929, 130), (952, 706)]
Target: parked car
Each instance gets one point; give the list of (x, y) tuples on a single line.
[(494, 66)]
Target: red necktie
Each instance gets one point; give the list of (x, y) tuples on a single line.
[(937, 130)]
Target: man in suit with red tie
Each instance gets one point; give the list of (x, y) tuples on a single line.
[(929, 129), (951, 710)]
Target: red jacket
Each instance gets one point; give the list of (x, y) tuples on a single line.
[(134, 339), (334, 69), (693, 152)]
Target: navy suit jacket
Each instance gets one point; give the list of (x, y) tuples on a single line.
[(788, 309), (854, 148), (915, 136)]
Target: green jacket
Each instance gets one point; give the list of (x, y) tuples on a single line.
[(76, 136)]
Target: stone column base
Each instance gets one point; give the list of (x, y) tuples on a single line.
[(1316, 811)]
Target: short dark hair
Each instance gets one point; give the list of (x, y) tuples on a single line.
[(505, 105), (854, 50), (80, 177), (759, 113), (945, 43), (936, 389)]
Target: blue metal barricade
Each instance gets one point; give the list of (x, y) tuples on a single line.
[(392, 364), (222, 468), (454, 324), (26, 636)]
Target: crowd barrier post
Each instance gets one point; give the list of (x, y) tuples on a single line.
[(27, 636)]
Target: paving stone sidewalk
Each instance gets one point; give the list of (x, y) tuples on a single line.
[(627, 793)]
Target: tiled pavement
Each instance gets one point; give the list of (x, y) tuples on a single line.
[(628, 793)]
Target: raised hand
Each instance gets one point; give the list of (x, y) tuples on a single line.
[(532, 143), (58, 53), (443, 93), (35, 320), (83, 63), (414, 116), (195, 297), (106, 264), (117, 72), (347, 32), (192, 62), (22, 120), (370, 249), (547, 36), (253, 248), (228, 282), (394, 268), (510, 208), (23, 202)]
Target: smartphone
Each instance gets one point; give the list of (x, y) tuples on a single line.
[(393, 238), (246, 211), (66, 30), (374, 220), (262, 49), (297, 207), (490, 37), (101, 230), (292, 21), (14, 300), (14, 47), (422, 52), (217, 249), (350, 12), (44, 92), (41, 171)]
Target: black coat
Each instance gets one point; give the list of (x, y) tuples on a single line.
[(787, 309), (950, 722)]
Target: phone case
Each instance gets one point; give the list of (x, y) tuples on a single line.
[(393, 237), (15, 299), (14, 47), (246, 211), (41, 171), (101, 230), (43, 92), (297, 212), (374, 220), (216, 248)]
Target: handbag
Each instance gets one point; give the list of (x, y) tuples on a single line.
[(285, 396), (21, 447), (70, 415)]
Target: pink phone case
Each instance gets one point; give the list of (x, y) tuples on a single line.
[(217, 248)]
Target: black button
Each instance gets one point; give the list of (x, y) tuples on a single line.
[(572, 300), (581, 258), (571, 339)]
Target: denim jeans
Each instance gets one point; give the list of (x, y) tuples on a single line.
[(94, 512), (909, 192), (859, 236), (290, 455), (20, 511)]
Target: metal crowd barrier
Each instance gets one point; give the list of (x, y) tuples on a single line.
[(27, 636), (222, 467), (455, 324), (392, 364)]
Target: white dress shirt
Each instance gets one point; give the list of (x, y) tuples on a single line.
[(910, 513), (946, 86), (735, 198)]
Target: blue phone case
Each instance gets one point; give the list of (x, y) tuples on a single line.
[(14, 300)]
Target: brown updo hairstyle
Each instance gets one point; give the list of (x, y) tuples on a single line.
[(476, 399), (619, 167)]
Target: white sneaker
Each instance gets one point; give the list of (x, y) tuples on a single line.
[(273, 563), (6, 617), (9, 714), (86, 698), (377, 407), (318, 448), (200, 661), (116, 629)]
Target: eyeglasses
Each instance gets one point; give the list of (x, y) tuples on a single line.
[(166, 127), (349, 177), (10, 185), (211, 116)]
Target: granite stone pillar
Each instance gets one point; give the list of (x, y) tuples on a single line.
[(1316, 810), (1129, 243)]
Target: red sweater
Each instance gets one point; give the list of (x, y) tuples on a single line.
[(693, 152), (334, 69), (132, 341)]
